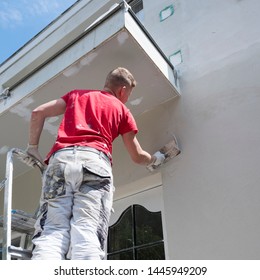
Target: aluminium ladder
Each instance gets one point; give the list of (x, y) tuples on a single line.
[(16, 220)]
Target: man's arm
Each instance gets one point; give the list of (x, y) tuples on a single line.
[(38, 116), (138, 155), (142, 157)]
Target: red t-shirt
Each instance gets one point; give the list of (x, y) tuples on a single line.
[(92, 118)]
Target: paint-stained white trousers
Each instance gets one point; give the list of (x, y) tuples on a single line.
[(75, 206)]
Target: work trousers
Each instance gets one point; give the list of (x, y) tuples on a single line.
[(75, 206)]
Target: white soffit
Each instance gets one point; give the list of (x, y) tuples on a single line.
[(115, 40)]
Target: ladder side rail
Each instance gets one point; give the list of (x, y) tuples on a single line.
[(7, 237)]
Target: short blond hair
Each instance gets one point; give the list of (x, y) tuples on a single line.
[(120, 77)]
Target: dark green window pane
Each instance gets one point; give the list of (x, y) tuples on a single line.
[(120, 234), (155, 252), (148, 226), (126, 255), (136, 235)]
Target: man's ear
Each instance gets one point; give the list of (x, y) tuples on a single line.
[(122, 91)]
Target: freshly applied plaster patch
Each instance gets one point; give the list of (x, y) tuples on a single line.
[(136, 101), (4, 150), (122, 37), (88, 59), (71, 71), (22, 109), (24, 112)]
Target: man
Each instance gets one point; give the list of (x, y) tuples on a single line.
[(77, 191)]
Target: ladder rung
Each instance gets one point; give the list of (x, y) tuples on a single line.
[(20, 253), (21, 221)]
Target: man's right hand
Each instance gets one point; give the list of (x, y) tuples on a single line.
[(166, 153), (158, 159), (33, 152)]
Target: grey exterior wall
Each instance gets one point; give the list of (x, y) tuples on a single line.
[(211, 192)]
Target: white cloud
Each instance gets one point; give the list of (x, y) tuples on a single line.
[(17, 12), (42, 7), (10, 16)]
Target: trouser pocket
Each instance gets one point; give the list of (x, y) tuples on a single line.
[(54, 181), (95, 177)]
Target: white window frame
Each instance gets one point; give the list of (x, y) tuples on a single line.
[(147, 192)]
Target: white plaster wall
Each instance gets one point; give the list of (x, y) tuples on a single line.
[(211, 191)]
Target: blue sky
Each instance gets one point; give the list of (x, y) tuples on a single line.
[(21, 20)]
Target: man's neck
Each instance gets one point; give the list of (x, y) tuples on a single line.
[(109, 91)]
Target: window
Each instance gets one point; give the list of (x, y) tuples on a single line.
[(137, 235)]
